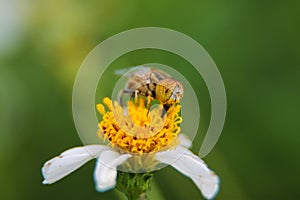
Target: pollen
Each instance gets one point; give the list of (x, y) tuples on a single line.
[(137, 130)]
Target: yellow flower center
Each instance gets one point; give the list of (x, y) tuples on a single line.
[(137, 130)]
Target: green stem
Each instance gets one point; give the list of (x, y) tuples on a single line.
[(134, 186)]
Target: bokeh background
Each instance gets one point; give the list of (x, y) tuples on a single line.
[(255, 44)]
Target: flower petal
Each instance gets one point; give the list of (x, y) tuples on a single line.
[(183, 162), (208, 184), (192, 166), (70, 160), (184, 140), (106, 169)]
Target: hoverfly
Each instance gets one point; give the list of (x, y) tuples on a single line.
[(153, 84)]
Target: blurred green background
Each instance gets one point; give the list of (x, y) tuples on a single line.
[(255, 45)]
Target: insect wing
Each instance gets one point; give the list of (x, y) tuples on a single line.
[(133, 71)]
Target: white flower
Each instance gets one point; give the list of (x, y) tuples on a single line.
[(109, 159), (141, 138)]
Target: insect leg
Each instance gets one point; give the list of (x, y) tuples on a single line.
[(120, 95), (136, 96), (165, 110), (149, 98)]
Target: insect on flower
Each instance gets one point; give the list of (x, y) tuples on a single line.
[(129, 152), (153, 84), (140, 140)]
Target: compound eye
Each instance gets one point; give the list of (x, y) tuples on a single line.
[(168, 92), (163, 93), (164, 90)]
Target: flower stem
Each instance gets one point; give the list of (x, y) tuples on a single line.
[(134, 185)]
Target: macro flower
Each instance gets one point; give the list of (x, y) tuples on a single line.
[(139, 141)]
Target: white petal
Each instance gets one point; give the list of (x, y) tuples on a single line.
[(208, 185), (188, 164), (184, 140), (70, 160), (106, 169), (170, 156), (192, 166)]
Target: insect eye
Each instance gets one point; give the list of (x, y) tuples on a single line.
[(167, 90)]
